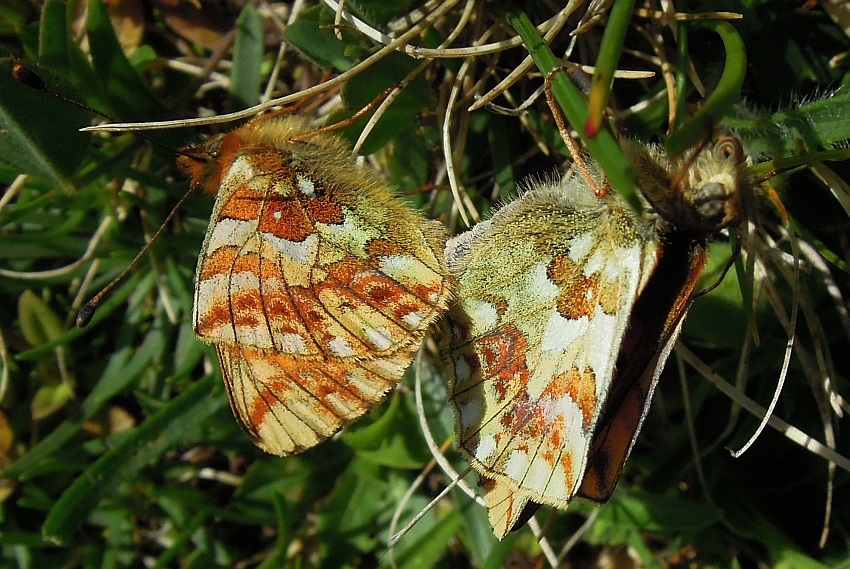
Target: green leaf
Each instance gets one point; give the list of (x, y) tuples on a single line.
[(113, 302), (245, 76), (606, 64), (39, 133), (604, 149), (367, 436), (14, 14), (124, 368), (426, 551), (140, 446), (727, 92), (818, 124), (129, 94), (647, 512), (502, 137), (39, 324), (318, 43), (53, 35), (50, 398), (365, 87)]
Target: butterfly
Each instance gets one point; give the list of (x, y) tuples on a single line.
[(568, 307), (315, 284)]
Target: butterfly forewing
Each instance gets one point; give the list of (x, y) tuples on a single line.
[(656, 320)]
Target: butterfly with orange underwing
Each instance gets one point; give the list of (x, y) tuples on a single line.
[(553, 351)]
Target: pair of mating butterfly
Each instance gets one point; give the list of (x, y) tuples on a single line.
[(317, 287)]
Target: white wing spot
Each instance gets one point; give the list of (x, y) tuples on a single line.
[(379, 337), (340, 347), (560, 332), (471, 413), (291, 344), (541, 286), (482, 315), (303, 252), (413, 319), (486, 447), (517, 465), (462, 369), (305, 185), (580, 246)]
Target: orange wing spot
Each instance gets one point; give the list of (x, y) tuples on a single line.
[(218, 314), (609, 298), (247, 263), (429, 292), (325, 386), (508, 421), (378, 291), (285, 218), (285, 316), (260, 407), (344, 271), (244, 204), (556, 440), (377, 248), (502, 360), (578, 295), (218, 262), (311, 311), (246, 309), (526, 417), (581, 387), (322, 209), (383, 294), (567, 466)]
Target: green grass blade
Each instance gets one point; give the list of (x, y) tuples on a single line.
[(146, 442), (602, 147), (726, 94), (606, 64)]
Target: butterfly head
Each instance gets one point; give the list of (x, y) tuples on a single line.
[(700, 192), (206, 163), (713, 191)]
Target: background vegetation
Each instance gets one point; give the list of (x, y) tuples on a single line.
[(117, 444)]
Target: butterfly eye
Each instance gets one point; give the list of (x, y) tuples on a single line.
[(729, 148), (710, 200)]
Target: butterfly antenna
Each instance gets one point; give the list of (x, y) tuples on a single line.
[(32, 80), (86, 313), (350, 120), (578, 157)]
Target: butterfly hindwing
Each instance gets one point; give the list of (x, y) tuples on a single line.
[(315, 283), (568, 307), (545, 291)]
